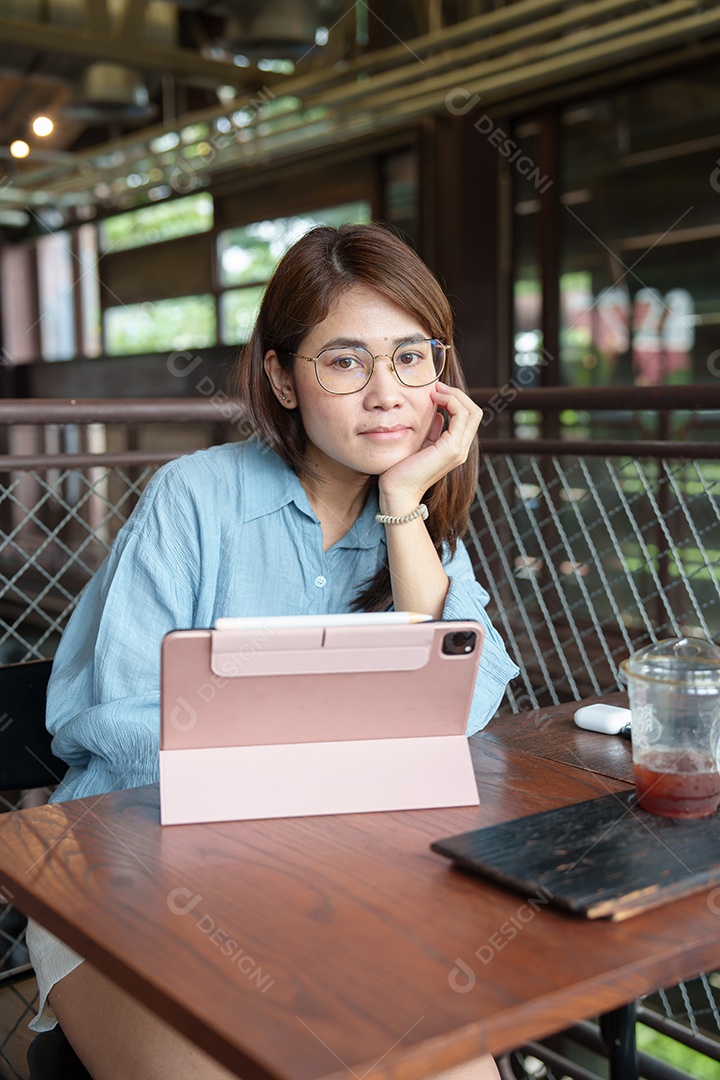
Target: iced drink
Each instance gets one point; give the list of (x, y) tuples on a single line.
[(685, 788), (674, 691)]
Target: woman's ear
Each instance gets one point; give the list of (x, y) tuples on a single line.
[(281, 381)]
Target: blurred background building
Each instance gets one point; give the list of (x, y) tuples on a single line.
[(556, 164)]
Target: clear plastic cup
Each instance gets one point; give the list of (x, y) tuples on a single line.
[(674, 691)]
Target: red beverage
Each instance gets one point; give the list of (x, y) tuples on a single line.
[(676, 784)]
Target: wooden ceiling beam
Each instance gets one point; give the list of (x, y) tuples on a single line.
[(551, 65), (90, 45)]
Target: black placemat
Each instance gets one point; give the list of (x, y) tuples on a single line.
[(604, 858)]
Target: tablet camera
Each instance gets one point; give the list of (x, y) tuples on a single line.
[(459, 643)]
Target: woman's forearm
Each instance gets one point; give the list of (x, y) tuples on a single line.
[(419, 582)]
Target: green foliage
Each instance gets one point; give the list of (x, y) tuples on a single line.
[(187, 322), (249, 255), (674, 1053), (163, 221), (238, 311)]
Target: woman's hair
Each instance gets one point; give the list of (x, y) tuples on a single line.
[(309, 278)]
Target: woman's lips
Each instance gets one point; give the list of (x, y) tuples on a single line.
[(385, 433)]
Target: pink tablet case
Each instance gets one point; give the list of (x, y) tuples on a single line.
[(272, 722)]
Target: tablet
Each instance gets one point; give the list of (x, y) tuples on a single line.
[(284, 718)]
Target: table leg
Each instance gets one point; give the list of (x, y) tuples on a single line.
[(618, 1031)]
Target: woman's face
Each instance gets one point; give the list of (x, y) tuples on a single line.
[(373, 429)]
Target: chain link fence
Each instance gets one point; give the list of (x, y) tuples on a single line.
[(57, 527), (589, 558)]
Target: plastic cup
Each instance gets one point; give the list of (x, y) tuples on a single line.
[(674, 691)]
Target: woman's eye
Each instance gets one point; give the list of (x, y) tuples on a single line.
[(408, 358), (346, 362)]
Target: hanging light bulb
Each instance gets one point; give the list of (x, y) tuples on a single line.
[(42, 125), (19, 148)]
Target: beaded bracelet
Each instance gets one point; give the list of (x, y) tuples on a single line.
[(390, 519)]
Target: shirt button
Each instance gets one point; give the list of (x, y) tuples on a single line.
[(320, 581)]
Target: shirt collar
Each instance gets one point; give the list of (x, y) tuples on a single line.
[(273, 484), (276, 485)]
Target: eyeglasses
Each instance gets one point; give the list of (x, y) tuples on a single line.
[(347, 369)]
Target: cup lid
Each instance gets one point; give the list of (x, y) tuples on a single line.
[(688, 660)]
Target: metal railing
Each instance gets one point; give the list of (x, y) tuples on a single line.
[(592, 547), (588, 546), (592, 538), (70, 475)]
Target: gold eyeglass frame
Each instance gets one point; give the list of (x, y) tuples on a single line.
[(380, 356)]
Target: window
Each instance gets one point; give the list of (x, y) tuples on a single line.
[(238, 311), (247, 257), (182, 323), (641, 223), (89, 290), (152, 224), (55, 293), (638, 187)]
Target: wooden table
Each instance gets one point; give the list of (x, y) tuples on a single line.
[(307, 948), (551, 733)]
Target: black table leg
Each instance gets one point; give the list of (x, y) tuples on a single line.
[(618, 1031)]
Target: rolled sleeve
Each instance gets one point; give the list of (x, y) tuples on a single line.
[(466, 599), (103, 706)]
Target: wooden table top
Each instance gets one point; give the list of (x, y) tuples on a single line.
[(301, 949), (552, 733)]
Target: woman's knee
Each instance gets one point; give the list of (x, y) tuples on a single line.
[(115, 1036)]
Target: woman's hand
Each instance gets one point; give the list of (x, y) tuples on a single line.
[(402, 487)]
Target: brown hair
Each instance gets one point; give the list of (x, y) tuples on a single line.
[(308, 279)]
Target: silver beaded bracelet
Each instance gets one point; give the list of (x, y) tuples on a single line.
[(390, 519)]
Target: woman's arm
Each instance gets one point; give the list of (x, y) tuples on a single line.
[(418, 579), (466, 599), (103, 696)]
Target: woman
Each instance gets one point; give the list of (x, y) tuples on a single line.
[(353, 497)]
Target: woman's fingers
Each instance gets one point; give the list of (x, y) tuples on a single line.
[(465, 417), (436, 430), (442, 451)]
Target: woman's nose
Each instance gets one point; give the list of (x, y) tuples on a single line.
[(384, 387)]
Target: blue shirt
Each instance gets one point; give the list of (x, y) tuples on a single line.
[(224, 531)]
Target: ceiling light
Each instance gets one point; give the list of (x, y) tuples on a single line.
[(280, 66), (42, 125), (277, 29), (19, 148), (161, 192), (51, 218), (168, 141), (108, 92)]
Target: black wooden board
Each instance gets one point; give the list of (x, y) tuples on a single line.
[(604, 858)]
